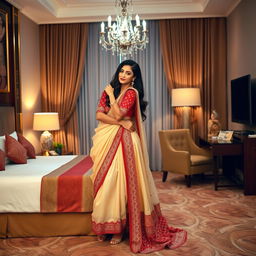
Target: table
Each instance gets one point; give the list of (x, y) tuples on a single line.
[(250, 166), (228, 155)]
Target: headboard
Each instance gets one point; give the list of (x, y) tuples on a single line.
[(7, 120), (10, 96)]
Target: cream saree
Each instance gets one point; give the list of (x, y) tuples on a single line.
[(124, 190)]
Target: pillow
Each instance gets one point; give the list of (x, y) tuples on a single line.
[(2, 140), (2, 144), (14, 135), (27, 145), (2, 160), (15, 151)]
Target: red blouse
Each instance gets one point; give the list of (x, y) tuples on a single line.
[(126, 105), (102, 106)]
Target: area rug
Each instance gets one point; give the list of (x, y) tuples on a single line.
[(219, 223)]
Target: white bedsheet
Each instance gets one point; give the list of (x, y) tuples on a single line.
[(20, 184)]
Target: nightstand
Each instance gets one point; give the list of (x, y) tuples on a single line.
[(67, 153)]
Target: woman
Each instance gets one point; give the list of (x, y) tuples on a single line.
[(124, 190)]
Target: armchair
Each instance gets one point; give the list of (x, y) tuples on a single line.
[(181, 155)]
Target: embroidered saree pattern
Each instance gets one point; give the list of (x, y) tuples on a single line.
[(109, 227), (107, 162), (123, 184), (132, 190)]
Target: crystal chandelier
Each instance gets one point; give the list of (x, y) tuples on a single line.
[(121, 36)]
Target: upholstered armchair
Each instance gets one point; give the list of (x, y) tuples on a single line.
[(181, 155)]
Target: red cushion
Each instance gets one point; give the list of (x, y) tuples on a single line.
[(15, 151), (2, 160), (27, 145)]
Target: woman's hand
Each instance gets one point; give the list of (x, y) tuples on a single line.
[(109, 90), (127, 124)]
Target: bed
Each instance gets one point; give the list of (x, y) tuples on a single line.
[(47, 196)]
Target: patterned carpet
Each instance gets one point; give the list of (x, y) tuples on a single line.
[(219, 223)]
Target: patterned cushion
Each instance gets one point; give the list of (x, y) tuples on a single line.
[(27, 145), (2, 160), (15, 151)]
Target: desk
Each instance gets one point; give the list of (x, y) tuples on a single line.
[(228, 153), (250, 166)]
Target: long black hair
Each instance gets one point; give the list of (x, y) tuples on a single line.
[(138, 84)]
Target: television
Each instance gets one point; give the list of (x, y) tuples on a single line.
[(243, 100), (253, 101)]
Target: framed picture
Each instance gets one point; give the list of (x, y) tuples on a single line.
[(225, 135), (4, 53)]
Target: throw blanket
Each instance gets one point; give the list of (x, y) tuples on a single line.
[(68, 188)]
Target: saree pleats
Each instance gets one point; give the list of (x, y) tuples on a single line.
[(124, 188)]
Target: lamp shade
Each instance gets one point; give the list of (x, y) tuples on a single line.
[(186, 97), (46, 121)]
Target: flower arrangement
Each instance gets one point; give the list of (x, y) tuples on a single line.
[(58, 147)]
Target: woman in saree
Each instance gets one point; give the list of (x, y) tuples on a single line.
[(124, 191)]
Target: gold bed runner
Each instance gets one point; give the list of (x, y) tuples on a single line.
[(68, 188)]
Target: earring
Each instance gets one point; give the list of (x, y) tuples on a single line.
[(132, 83)]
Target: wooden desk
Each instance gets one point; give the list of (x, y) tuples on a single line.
[(227, 154), (239, 153), (250, 166)]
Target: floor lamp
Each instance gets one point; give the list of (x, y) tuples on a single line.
[(186, 98), (46, 121)]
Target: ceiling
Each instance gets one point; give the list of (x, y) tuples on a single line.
[(67, 11)]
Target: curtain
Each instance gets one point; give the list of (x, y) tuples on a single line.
[(99, 68), (62, 55), (194, 55)]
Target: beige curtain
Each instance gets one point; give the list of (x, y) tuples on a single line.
[(62, 49), (194, 55)]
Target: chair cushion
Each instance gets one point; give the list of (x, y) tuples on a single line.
[(200, 160)]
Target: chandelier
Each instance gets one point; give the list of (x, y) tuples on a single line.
[(121, 36)]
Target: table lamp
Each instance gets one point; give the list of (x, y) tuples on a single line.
[(46, 121), (186, 98)]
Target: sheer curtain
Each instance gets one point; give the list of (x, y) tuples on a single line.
[(99, 68)]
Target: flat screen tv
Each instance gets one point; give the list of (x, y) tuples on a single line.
[(253, 101), (241, 99)]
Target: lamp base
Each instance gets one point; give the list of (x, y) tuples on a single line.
[(186, 117), (45, 153), (46, 141)]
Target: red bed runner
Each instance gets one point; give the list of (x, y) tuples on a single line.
[(68, 188)]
